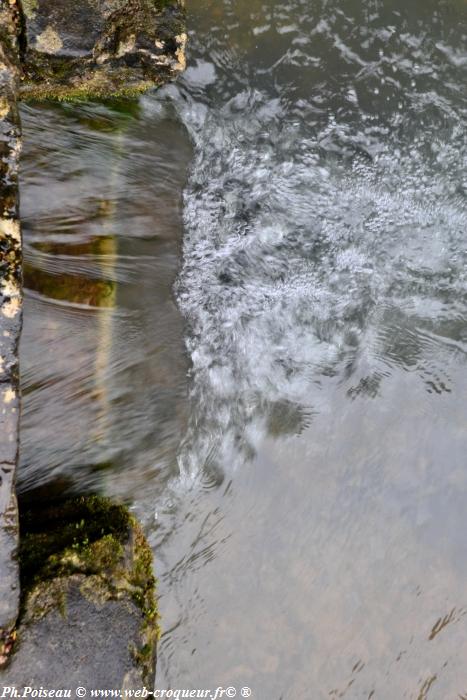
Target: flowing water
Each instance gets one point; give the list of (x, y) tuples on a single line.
[(247, 315)]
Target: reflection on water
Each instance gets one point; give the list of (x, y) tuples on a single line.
[(310, 494), (102, 353)]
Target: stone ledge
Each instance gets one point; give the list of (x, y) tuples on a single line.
[(67, 49), (89, 615), (10, 316), (100, 47)]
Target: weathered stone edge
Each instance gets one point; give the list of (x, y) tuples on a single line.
[(119, 64), (10, 314), (15, 79), (95, 546)]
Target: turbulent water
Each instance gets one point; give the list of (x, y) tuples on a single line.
[(325, 215), (308, 474)]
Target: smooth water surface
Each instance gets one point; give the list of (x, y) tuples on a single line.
[(292, 431)]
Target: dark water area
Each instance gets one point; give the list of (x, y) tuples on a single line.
[(246, 314)]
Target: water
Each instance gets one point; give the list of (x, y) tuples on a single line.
[(292, 431), (103, 363)]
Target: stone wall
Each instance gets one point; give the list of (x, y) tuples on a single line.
[(10, 314), (118, 47), (63, 49)]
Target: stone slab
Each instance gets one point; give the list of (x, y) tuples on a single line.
[(81, 643), (86, 48), (89, 613)]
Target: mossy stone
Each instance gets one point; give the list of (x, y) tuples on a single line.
[(99, 48), (85, 557)]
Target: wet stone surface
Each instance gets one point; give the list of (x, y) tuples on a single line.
[(86, 645), (89, 616), (10, 318), (100, 47), (65, 50)]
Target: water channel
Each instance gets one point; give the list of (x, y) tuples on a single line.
[(246, 315)]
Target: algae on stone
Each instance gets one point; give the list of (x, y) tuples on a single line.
[(69, 50), (84, 557), (99, 48)]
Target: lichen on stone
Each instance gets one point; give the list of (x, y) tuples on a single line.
[(98, 545), (9, 395), (10, 228), (118, 48), (29, 7), (4, 107), (49, 41)]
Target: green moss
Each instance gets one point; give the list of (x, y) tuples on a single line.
[(79, 290), (110, 69), (96, 88), (57, 78), (82, 534), (142, 578), (144, 595), (97, 544)]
